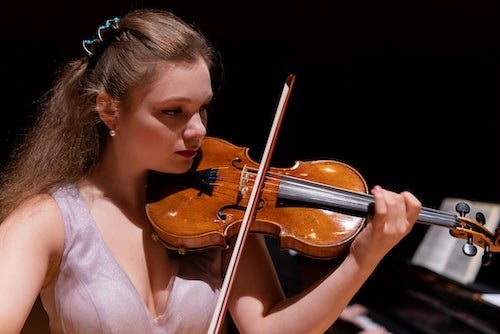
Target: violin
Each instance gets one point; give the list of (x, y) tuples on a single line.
[(314, 207)]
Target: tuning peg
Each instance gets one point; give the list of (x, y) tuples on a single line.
[(480, 218), (469, 248), (462, 208), (487, 256)]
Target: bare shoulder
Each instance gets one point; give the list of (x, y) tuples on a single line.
[(40, 212), (36, 228)]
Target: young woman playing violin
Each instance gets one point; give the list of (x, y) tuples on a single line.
[(74, 227)]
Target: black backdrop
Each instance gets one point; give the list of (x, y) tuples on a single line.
[(406, 92)]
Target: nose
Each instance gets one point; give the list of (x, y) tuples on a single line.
[(196, 128)]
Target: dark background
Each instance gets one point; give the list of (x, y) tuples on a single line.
[(406, 92)]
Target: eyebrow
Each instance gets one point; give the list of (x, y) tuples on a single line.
[(185, 98)]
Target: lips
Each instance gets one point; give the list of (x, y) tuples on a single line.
[(188, 153)]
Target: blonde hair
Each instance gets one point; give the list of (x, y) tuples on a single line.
[(67, 140)]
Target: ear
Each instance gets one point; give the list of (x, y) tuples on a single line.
[(107, 108)]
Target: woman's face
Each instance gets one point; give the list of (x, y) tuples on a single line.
[(164, 126)]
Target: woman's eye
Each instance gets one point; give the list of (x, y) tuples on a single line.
[(171, 111)]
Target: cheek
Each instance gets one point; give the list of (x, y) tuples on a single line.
[(149, 138)]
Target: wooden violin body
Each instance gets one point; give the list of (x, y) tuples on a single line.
[(205, 206)]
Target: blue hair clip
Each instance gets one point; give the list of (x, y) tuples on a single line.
[(103, 32)]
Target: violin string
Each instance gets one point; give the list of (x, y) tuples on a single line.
[(234, 178), (276, 178), (228, 182), (232, 188), (368, 198)]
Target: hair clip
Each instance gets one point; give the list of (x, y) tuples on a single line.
[(90, 45)]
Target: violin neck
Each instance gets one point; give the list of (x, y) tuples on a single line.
[(300, 192)]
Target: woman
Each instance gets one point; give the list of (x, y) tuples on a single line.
[(74, 228)]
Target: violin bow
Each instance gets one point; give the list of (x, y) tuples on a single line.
[(250, 212)]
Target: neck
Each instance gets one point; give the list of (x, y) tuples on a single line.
[(124, 189)]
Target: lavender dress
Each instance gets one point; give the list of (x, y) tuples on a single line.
[(92, 294)]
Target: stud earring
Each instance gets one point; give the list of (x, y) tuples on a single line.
[(112, 132)]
